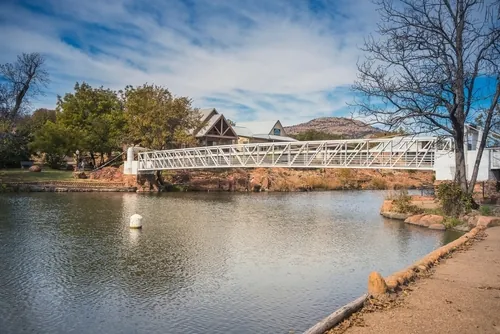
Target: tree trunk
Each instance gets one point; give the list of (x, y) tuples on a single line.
[(92, 156), (460, 164), (484, 137), (159, 178)]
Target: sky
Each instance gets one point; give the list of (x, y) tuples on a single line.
[(260, 60)]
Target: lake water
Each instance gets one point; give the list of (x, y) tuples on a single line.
[(203, 262)]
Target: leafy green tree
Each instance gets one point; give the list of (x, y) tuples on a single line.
[(38, 119), (158, 120), (96, 114), (13, 147), (56, 142)]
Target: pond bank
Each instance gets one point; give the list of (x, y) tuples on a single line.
[(461, 295), (64, 186)]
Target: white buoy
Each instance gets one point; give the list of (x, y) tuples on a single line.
[(136, 221)]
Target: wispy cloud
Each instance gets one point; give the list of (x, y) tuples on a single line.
[(254, 60)]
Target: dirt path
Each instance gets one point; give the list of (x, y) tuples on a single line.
[(462, 296)]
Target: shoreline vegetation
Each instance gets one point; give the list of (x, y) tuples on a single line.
[(440, 212), (235, 180)]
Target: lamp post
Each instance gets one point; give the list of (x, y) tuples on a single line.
[(77, 158)]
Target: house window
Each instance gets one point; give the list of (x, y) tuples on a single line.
[(277, 132)]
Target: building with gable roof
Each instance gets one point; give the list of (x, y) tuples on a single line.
[(261, 132), (214, 130)]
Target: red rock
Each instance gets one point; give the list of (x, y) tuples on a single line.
[(437, 227), (376, 284), (429, 220), (413, 219), (35, 168), (487, 221), (425, 220)]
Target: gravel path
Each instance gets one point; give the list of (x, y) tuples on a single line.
[(461, 296)]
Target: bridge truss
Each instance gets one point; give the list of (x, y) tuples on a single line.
[(396, 153)]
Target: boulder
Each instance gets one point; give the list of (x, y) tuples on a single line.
[(413, 219), (437, 227), (35, 168), (432, 219), (376, 284), (487, 221), (395, 215), (79, 175), (425, 220), (462, 228)]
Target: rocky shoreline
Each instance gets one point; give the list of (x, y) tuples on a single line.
[(435, 221)]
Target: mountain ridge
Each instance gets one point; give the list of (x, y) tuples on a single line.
[(341, 126)]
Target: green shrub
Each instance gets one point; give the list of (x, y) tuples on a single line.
[(402, 203), (451, 222), (485, 210), (453, 200)]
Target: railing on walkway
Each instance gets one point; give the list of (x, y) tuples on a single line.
[(395, 153)]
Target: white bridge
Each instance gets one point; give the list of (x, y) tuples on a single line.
[(397, 153), (417, 153)]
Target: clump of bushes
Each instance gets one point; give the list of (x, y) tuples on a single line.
[(378, 183), (451, 222), (454, 201), (402, 202), (485, 210)]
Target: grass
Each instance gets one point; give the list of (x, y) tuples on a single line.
[(451, 222), (436, 211), (485, 210), (23, 175)]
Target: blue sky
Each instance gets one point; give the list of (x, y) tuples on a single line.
[(292, 60)]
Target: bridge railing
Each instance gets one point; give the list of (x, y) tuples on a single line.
[(495, 159), (404, 153)]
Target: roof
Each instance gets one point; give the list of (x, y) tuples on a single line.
[(242, 131), (259, 126), (208, 125), (274, 138), (205, 112)]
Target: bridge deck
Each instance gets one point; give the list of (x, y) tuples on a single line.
[(401, 153)]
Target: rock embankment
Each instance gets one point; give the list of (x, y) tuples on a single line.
[(273, 179), (286, 179), (389, 208), (434, 222)]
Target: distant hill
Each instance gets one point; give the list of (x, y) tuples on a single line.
[(339, 126)]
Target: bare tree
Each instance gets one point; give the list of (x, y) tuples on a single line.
[(434, 66), (19, 82)]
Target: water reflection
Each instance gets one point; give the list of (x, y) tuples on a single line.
[(203, 263)]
